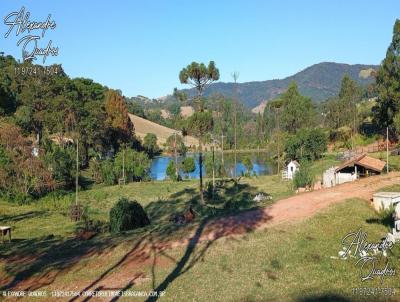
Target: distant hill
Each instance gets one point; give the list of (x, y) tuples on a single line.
[(319, 81), (143, 126)]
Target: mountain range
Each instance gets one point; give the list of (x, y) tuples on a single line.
[(319, 81)]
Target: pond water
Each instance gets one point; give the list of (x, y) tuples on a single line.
[(258, 163)]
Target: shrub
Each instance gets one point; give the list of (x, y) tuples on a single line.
[(107, 172), (95, 170), (127, 215), (150, 144), (303, 177), (218, 168), (137, 165), (171, 170), (188, 165), (386, 216)]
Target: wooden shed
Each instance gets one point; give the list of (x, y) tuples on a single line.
[(361, 166), (352, 169)]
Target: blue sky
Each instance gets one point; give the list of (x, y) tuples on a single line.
[(140, 46)]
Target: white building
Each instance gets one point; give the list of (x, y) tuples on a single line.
[(291, 168)]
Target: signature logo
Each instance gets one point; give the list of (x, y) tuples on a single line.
[(372, 257), (32, 33)]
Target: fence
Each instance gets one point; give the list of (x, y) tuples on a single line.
[(377, 147)]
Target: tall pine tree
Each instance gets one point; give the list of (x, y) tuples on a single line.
[(388, 82)]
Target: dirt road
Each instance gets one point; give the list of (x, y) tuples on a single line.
[(298, 207)]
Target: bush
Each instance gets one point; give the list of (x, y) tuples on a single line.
[(171, 171), (218, 168), (62, 164), (188, 165), (303, 177), (386, 216), (150, 144), (107, 172), (127, 215), (137, 165), (95, 170)]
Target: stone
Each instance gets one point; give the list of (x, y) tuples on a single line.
[(261, 196), (390, 238)]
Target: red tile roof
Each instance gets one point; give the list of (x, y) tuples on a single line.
[(365, 161)]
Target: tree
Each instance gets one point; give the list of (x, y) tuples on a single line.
[(118, 120), (188, 165), (349, 95), (8, 103), (150, 144), (181, 149), (298, 111), (269, 119), (200, 76), (171, 170), (334, 113), (61, 162), (396, 123), (22, 175), (136, 164), (135, 108), (175, 110), (260, 135), (306, 144), (388, 83)]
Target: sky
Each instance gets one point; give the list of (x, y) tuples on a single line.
[(139, 47)]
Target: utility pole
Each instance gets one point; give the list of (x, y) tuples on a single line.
[(123, 164), (278, 133), (77, 172), (235, 76), (222, 150), (213, 164), (387, 149), (176, 159)]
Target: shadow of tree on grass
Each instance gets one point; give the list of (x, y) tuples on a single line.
[(37, 262), (15, 218)]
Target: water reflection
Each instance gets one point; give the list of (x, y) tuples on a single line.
[(247, 163)]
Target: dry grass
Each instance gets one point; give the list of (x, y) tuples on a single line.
[(143, 127), (187, 111)]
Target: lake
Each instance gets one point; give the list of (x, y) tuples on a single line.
[(258, 163)]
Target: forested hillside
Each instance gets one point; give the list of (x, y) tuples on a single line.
[(319, 81)]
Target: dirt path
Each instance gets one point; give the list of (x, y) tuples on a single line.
[(298, 207)]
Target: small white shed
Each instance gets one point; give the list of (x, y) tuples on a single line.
[(383, 200), (291, 168)]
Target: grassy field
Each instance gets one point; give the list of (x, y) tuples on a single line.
[(282, 263), (160, 199), (285, 263)]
